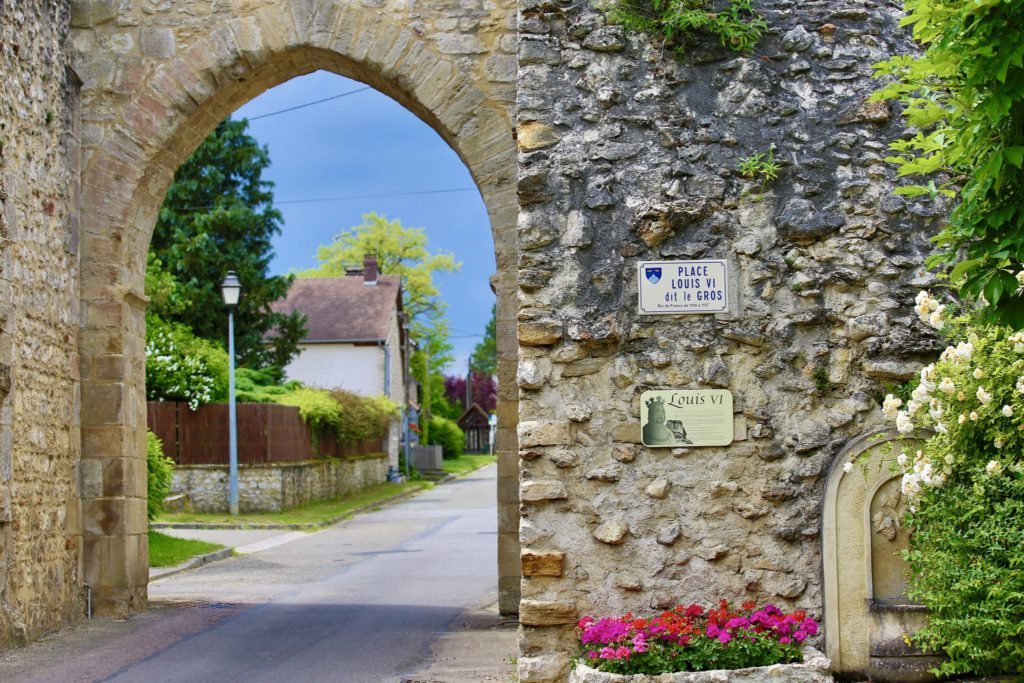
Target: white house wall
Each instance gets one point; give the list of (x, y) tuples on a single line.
[(359, 369)]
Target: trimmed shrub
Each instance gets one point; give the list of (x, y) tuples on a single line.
[(160, 471), (352, 418), (446, 434)]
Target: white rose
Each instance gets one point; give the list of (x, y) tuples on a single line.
[(903, 423), (961, 419), (977, 373), (993, 467), (901, 459), (947, 386), (973, 416), (848, 467), (1008, 411), (983, 396)]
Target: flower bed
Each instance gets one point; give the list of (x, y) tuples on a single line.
[(697, 644)]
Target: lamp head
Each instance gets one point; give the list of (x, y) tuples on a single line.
[(231, 289)]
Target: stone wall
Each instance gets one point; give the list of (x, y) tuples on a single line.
[(626, 154), (40, 576), (274, 487)]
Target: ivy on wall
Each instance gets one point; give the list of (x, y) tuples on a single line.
[(735, 23)]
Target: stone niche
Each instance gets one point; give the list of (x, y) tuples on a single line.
[(867, 613)]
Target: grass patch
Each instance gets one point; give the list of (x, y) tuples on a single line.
[(167, 551), (319, 512), (464, 464)]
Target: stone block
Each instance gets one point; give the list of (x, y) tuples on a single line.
[(541, 491), (539, 333), (157, 42), (546, 613), (612, 532), (534, 433), (542, 562), (535, 135), (551, 668)]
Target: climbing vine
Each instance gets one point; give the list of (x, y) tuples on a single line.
[(963, 100), (735, 23)]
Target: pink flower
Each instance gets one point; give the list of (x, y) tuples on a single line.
[(639, 643), (622, 652), (785, 640), (592, 654), (810, 626), (724, 637), (713, 631)]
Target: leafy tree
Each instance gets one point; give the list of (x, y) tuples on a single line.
[(484, 359), (400, 251), (219, 216), (485, 391), (964, 102)]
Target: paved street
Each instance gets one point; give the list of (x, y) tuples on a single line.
[(362, 601)]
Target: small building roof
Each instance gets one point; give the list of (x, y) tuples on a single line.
[(473, 415), (344, 309)]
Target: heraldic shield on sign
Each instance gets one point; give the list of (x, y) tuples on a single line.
[(674, 418), (653, 274)]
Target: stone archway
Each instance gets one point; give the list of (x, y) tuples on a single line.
[(167, 76)]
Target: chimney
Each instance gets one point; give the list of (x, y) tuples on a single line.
[(370, 270)]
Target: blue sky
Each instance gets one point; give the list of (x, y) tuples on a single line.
[(368, 144)]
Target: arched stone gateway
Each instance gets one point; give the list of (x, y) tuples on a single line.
[(171, 72)]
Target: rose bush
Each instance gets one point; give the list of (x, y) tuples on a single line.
[(694, 639), (965, 492)]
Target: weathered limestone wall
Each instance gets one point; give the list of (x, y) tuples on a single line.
[(628, 154), (277, 486), (40, 577)]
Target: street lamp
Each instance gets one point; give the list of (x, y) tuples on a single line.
[(230, 290)]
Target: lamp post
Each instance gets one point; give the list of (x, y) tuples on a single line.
[(230, 290)]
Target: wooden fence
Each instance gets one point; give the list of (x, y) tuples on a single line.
[(266, 433)]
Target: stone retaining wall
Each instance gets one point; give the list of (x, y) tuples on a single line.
[(277, 486)]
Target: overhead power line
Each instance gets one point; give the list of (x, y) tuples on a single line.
[(309, 104), (347, 197)]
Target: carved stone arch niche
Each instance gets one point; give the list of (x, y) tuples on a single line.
[(867, 613)]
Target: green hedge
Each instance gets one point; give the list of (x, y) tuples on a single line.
[(448, 435), (160, 471), (351, 417)]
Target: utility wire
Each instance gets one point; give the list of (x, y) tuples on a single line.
[(308, 104), (346, 197)]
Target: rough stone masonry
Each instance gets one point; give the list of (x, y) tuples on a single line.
[(628, 153)]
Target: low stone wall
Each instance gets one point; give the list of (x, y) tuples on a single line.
[(277, 486)]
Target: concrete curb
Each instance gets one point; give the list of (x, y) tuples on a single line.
[(197, 561)]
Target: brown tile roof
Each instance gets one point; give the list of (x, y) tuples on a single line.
[(343, 308)]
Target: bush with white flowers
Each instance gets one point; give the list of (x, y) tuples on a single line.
[(181, 366), (965, 489)]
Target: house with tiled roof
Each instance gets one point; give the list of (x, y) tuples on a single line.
[(354, 339)]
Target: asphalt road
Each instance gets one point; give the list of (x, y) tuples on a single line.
[(359, 602)]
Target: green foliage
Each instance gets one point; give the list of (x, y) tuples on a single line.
[(735, 23), (352, 418), (218, 216), (485, 356), (760, 165), (963, 101), (448, 435), (261, 386), (363, 417), (160, 471), (399, 250), (182, 367), (965, 489)]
